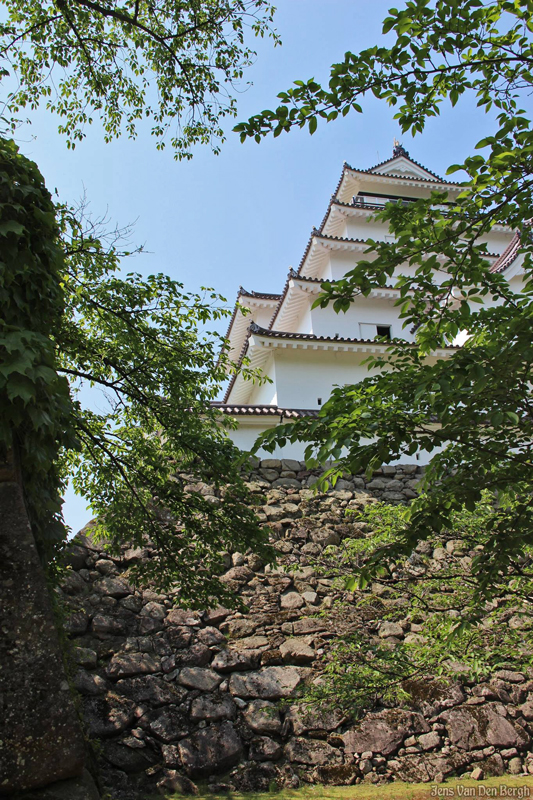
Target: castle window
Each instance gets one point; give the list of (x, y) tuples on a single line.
[(383, 330), (371, 331)]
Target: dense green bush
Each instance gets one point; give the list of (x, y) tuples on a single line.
[(35, 405)]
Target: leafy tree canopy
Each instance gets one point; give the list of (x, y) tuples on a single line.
[(174, 64), (154, 460), (151, 457), (477, 403)]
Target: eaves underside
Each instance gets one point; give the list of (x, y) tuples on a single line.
[(300, 290), (238, 325)]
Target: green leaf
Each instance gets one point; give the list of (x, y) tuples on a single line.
[(11, 226)]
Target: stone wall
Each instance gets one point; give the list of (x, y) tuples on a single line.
[(172, 696), (41, 740)]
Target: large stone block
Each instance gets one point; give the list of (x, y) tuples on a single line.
[(296, 651), (384, 732), (471, 727), (292, 464), (236, 660), (82, 788), (40, 736), (310, 718), (270, 683), (166, 724), (263, 717), (198, 678), (212, 749), (312, 752), (123, 665), (109, 715), (212, 708), (262, 748)]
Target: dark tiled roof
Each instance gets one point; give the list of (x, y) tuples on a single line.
[(362, 207), (302, 260), (255, 328), (337, 238), (437, 179), (258, 295), (232, 320), (508, 255), (264, 411), (294, 275)]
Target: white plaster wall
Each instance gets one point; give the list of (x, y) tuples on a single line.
[(248, 431), (341, 262), (266, 394), (305, 375), (262, 316), (304, 323), (326, 322), (365, 228), (517, 282), (325, 273)]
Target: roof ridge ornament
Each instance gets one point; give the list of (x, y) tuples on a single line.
[(399, 150)]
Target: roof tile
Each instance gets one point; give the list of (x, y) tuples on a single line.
[(264, 411)]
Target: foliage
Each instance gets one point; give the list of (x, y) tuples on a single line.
[(154, 462), (170, 63), (441, 51), (35, 407), (472, 409), (435, 598)]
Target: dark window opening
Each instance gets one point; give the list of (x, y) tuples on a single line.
[(383, 331)]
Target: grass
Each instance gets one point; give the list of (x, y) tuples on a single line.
[(515, 787)]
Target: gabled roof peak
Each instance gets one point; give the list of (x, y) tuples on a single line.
[(402, 163), (399, 150)]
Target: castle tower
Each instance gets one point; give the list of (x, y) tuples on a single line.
[(306, 351)]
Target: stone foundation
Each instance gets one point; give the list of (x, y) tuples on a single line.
[(41, 740), (172, 696)]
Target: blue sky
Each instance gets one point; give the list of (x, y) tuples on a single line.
[(244, 217)]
